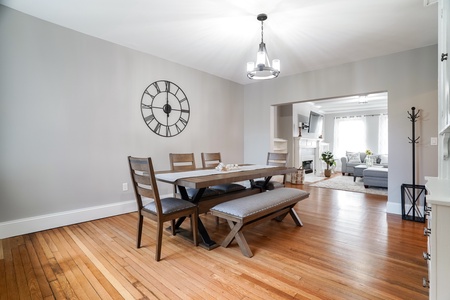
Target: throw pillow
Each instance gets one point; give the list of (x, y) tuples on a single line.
[(354, 158), (348, 154), (384, 159)]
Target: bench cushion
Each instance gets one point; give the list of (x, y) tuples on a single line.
[(247, 206)]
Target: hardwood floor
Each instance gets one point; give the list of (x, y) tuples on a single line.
[(349, 248)]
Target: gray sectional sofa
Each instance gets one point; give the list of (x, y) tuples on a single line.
[(352, 159), (372, 176), (375, 176)]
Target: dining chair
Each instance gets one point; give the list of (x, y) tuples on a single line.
[(159, 210), (183, 162), (211, 160), (278, 160)]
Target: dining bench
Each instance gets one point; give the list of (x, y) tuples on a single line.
[(247, 212)]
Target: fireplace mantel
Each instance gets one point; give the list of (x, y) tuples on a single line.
[(309, 149)]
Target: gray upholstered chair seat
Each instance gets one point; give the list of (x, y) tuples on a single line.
[(208, 192), (270, 186), (169, 205), (227, 188)]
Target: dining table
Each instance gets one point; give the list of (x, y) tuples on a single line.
[(200, 179)]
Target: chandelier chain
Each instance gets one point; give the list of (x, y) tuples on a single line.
[(262, 31)]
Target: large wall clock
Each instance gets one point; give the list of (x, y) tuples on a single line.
[(165, 108)]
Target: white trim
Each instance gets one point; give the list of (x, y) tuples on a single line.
[(43, 222), (394, 208)]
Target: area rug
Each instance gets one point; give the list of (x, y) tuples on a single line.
[(310, 178), (346, 183)]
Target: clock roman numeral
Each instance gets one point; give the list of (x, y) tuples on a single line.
[(148, 93), (146, 106), (167, 86), (158, 128), (183, 121), (158, 90), (178, 128), (149, 119)]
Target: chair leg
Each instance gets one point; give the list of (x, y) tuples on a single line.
[(172, 226), (194, 228), (159, 240), (139, 230)]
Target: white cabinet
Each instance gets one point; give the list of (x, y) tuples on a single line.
[(444, 88), (438, 188), (439, 238)]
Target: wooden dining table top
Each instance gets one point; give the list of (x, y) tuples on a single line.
[(222, 177)]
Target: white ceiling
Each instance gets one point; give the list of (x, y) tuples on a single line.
[(358, 103), (219, 37)]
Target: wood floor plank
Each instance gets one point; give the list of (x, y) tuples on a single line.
[(78, 281), (117, 278), (91, 274), (348, 248), (32, 282), (12, 291), (38, 269)]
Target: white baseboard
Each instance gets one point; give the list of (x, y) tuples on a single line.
[(43, 222), (394, 208)]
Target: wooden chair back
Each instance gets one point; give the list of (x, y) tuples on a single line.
[(182, 162), (211, 160), (160, 210), (144, 181), (279, 160)]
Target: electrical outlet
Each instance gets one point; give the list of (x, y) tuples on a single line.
[(433, 141), (124, 186)]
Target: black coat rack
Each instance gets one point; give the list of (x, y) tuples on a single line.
[(415, 194)]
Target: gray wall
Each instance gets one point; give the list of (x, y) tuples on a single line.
[(409, 77), (70, 115)]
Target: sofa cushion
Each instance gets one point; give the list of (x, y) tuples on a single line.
[(383, 159), (354, 157), (375, 172)]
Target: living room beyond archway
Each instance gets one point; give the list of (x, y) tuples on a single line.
[(337, 131)]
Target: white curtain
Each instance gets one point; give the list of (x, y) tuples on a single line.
[(383, 134), (349, 135)]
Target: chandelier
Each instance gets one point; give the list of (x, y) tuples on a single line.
[(263, 69)]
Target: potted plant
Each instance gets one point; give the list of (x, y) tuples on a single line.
[(328, 158)]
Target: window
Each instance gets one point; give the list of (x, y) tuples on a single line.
[(349, 135), (359, 133)]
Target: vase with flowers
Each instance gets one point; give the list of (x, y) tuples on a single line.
[(328, 158), (369, 160)]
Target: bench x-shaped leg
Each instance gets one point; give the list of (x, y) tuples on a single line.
[(294, 216), (237, 234)]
